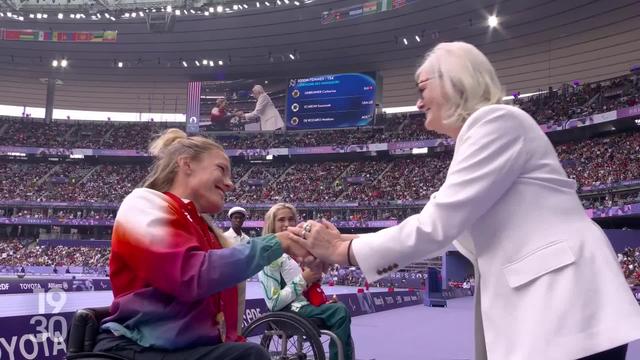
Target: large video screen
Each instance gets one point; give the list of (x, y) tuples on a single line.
[(318, 102), (330, 101)]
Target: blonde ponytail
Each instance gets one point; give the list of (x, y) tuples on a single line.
[(166, 149)]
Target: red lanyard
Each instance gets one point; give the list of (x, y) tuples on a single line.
[(191, 213)]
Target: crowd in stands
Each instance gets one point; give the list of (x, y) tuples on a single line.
[(9, 249), (413, 178), (28, 132), (19, 180), (317, 182), (137, 136), (629, 260), (594, 162), (346, 276), (12, 253), (603, 160), (70, 181), (579, 100)]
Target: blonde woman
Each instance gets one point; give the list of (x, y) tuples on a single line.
[(174, 276), (284, 282), (548, 282)]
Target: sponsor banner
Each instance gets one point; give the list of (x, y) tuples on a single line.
[(256, 152), (420, 144), (356, 11), (453, 293), (59, 204), (552, 126), (628, 112), (44, 334), (221, 224), (590, 120), (311, 150), (52, 221), (613, 185), (604, 117), (355, 179), (336, 149), (19, 150), (256, 182), (627, 209), (59, 36), (99, 152), (75, 243), (383, 301), (339, 224), (40, 336), (630, 182), (35, 285)]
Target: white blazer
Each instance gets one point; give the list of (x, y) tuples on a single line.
[(548, 284), (270, 118)]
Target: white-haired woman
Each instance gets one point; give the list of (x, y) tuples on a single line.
[(547, 282), (265, 111)]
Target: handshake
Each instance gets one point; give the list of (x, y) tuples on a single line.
[(317, 245)]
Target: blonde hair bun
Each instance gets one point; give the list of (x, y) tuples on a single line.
[(167, 138)]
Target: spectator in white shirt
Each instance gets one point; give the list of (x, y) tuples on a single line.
[(237, 215)]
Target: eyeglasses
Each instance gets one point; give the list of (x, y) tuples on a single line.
[(418, 86)]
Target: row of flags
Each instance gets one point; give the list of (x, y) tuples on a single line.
[(58, 36), (367, 8)]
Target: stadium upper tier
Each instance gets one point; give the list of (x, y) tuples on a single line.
[(567, 103)]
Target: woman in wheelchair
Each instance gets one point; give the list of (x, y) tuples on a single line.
[(174, 275), (285, 284)]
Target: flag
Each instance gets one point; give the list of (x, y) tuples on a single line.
[(370, 7)]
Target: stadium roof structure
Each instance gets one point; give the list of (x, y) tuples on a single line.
[(145, 66)]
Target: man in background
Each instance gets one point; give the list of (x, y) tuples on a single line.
[(237, 215)]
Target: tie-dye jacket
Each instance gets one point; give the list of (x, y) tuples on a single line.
[(163, 281)]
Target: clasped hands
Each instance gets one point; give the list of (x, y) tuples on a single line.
[(316, 245)]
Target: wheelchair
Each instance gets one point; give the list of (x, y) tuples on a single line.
[(289, 336), (285, 335), (83, 331)]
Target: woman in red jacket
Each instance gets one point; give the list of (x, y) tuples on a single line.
[(174, 275)]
